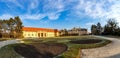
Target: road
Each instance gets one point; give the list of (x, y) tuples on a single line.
[(111, 50), (7, 42)]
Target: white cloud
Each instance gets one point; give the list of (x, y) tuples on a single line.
[(34, 4), (91, 8), (89, 23), (53, 8), (114, 12), (102, 9), (44, 21), (24, 16), (6, 16), (14, 2), (50, 8), (53, 16), (32, 16)]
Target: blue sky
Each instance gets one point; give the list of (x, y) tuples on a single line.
[(60, 14)]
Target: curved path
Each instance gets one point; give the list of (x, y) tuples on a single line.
[(7, 42), (111, 50)]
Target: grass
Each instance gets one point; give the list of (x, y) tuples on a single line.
[(73, 49), (96, 45), (56, 39), (8, 52), (72, 52), (1, 39)]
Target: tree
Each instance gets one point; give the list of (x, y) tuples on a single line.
[(111, 27), (99, 29), (93, 29), (11, 28), (1, 28), (106, 29), (64, 32), (117, 31), (5, 30), (18, 27)]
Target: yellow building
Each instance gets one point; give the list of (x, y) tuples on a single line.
[(39, 32)]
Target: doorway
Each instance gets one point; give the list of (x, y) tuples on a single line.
[(41, 34), (38, 34)]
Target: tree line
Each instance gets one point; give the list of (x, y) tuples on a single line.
[(11, 28), (111, 28)]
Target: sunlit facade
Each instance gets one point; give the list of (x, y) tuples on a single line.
[(39, 32)]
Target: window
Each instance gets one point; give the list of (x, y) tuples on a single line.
[(45, 34), (41, 34)]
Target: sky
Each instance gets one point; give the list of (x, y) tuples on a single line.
[(60, 14)]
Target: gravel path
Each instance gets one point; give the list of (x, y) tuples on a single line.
[(4, 43), (111, 50)]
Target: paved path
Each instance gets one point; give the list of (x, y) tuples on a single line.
[(111, 50), (4, 43), (7, 42)]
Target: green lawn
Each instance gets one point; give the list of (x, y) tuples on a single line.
[(8, 52), (72, 52), (1, 39)]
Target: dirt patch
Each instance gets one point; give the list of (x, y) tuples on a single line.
[(40, 50), (86, 41)]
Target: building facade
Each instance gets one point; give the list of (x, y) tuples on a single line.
[(78, 31), (39, 32), (74, 31)]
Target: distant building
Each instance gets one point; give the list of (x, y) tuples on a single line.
[(77, 31), (39, 32), (74, 31)]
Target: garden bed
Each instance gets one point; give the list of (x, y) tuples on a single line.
[(89, 43), (86, 41), (49, 47), (40, 50)]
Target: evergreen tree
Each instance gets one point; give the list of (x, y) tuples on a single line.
[(111, 27), (11, 28), (99, 29), (1, 28), (94, 29), (18, 27)]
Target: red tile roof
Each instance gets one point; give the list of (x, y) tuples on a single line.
[(38, 29)]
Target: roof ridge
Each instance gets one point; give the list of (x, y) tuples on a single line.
[(38, 29)]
